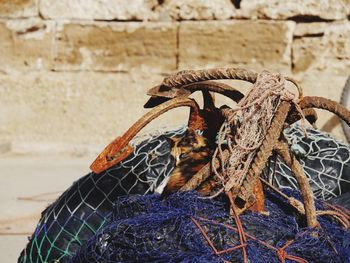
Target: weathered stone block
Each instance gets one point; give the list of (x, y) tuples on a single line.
[(328, 84), (116, 46), (18, 8), (228, 43), (276, 9), (325, 49), (26, 45), (102, 9), (313, 29), (74, 111), (81, 112), (303, 53), (197, 10)]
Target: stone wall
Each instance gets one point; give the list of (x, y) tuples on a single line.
[(73, 74)]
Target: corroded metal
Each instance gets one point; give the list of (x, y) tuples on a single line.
[(119, 149), (326, 104), (186, 77), (160, 94), (246, 192), (305, 189), (174, 92)]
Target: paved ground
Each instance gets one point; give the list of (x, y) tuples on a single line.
[(27, 185)]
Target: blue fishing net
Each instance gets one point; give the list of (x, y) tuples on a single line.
[(86, 207), (151, 229)]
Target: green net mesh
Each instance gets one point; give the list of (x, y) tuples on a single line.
[(86, 206)]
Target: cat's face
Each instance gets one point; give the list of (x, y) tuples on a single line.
[(192, 146)]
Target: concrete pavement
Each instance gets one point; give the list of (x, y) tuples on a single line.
[(27, 185)]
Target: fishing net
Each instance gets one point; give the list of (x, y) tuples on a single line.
[(246, 127), (188, 228), (326, 163), (86, 207)]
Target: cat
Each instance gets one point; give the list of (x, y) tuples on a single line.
[(191, 152)]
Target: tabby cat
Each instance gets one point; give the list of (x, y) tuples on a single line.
[(191, 152)]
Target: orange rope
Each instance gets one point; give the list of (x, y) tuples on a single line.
[(281, 253), (239, 226), (218, 253)]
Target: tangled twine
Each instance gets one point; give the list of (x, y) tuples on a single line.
[(246, 127)]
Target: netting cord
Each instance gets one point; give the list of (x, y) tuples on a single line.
[(338, 214), (291, 200), (217, 252), (261, 113), (241, 232), (343, 219), (340, 209), (281, 253)]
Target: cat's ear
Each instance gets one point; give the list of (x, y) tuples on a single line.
[(191, 134), (193, 138), (189, 139), (171, 141)]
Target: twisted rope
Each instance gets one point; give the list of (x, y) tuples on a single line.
[(246, 127)]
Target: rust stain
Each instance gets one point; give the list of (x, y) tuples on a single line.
[(259, 205), (114, 153)]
